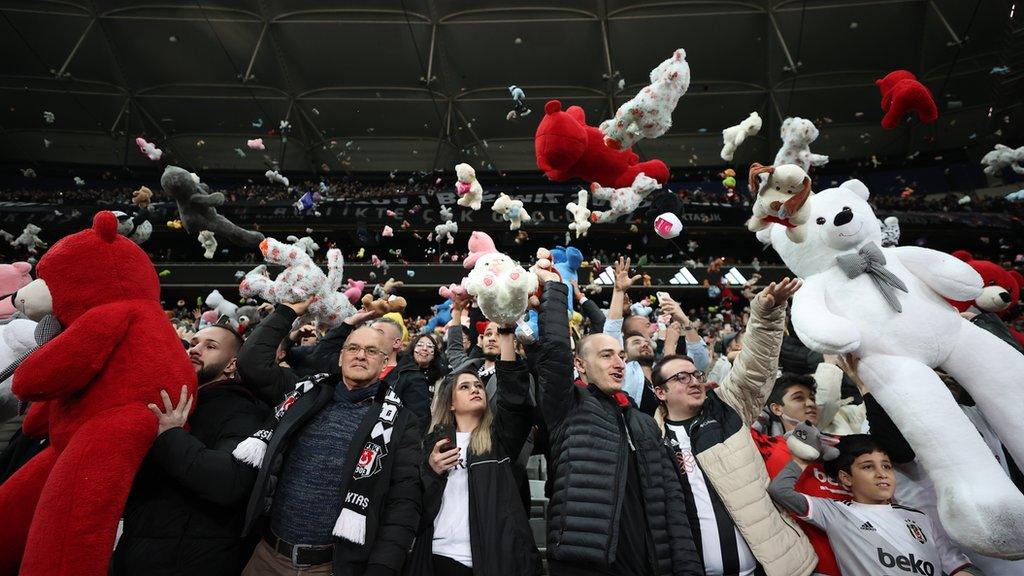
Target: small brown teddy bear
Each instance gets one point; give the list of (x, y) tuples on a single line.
[(141, 197)]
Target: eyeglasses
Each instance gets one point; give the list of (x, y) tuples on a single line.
[(424, 344), (685, 378), (355, 349)]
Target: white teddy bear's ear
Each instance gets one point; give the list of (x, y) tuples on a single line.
[(857, 187)]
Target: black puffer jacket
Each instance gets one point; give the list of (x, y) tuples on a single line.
[(500, 537), (185, 511), (588, 458)]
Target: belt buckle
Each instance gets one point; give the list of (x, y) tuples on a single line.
[(295, 556)]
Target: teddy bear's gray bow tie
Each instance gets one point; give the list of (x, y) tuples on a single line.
[(870, 259)]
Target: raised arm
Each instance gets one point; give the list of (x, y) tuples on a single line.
[(696, 349), (513, 415), (949, 276), (753, 374), (257, 359), (554, 366), (454, 347), (783, 490)]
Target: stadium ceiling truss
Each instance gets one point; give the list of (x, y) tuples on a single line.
[(421, 84)]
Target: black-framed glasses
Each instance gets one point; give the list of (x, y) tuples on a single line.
[(685, 378)]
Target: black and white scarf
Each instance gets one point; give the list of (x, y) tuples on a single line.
[(351, 523)]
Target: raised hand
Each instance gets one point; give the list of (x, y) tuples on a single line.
[(172, 417), (776, 293), (623, 281)]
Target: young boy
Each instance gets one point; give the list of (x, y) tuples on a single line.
[(869, 534)]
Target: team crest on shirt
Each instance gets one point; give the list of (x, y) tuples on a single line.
[(916, 532), (369, 460)]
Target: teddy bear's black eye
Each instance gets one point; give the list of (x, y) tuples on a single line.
[(846, 207), (820, 221), (991, 282)]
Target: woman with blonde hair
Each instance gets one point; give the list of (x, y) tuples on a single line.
[(473, 521)]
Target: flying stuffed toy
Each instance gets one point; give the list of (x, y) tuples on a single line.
[(580, 222), (300, 280), (888, 307), (511, 211), (781, 198), (733, 136), (149, 149), (567, 148), (649, 113), (115, 356), (623, 201), (501, 286), (797, 135), (198, 208), (29, 238), (137, 232), (470, 192), (902, 93), (209, 243), (1000, 157)]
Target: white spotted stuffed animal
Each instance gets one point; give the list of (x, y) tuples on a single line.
[(501, 286), (30, 239), (781, 198), (511, 211), (470, 192), (797, 135), (580, 223), (890, 308), (306, 243), (649, 113), (733, 136), (209, 243), (300, 280), (623, 201)]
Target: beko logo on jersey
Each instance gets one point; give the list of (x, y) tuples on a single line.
[(906, 563)]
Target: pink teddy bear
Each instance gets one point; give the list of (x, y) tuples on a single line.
[(13, 277)]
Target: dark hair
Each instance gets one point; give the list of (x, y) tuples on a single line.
[(437, 368), (657, 379), (785, 382), (228, 327), (850, 448)]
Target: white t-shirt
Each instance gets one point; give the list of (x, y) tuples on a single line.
[(877, 538), (451, 526), (710, 543)]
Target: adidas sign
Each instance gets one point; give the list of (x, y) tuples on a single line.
[(607, 278), (867, 526), (683, 277)]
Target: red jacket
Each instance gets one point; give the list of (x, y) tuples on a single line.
[(813, 482)]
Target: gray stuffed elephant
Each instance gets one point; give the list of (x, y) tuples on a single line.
[(198, 208)]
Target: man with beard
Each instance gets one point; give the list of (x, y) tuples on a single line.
[(185, 512), (634, 334)]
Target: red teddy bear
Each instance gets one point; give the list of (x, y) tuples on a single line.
[(567, 148), (59, 512), (1001, 292), (902, 93)]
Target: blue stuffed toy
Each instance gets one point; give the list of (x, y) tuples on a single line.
[(442, 316), (567, 261)]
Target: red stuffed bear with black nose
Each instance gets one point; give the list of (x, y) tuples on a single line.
[(59, 512), (1001, 291), (902, 94), (567, 148)]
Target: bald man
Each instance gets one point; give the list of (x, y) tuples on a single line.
[(334, 428), (636, 524)]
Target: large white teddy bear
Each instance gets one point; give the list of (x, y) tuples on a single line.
[(623, 201), (470, 192), (501, 286), (887, 306), (797, 135), (649, 113)]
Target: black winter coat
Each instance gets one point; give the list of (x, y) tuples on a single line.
[(394, 515), (257, 363), (500, 537), (589, 437), (185, 510)]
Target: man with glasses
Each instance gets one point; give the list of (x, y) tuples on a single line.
[(737, 528), (344, 447)]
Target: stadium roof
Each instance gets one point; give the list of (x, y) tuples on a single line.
[(417, 84)]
